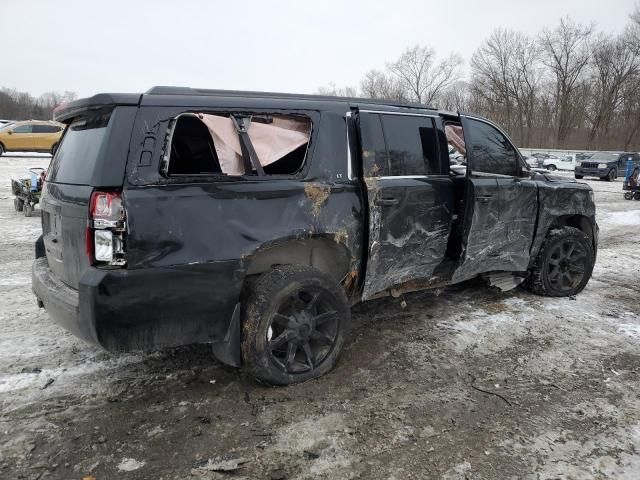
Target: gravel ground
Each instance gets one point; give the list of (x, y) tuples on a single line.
[(463, 383)]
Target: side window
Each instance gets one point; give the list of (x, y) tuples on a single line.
[(209, 144), (22, 129), (398, 145), (411, 145), (45, 129), (488, 150), (374, 153)]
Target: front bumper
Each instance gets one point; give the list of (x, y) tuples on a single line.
[(592, 172), (127, 310)]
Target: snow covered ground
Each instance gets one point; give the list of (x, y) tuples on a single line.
[(463, 383)]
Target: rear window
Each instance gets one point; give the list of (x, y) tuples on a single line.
[(79, 150)]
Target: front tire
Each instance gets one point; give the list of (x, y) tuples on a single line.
[(1, 149), (295, 320), (636, 196), (18, 204), (611, 176), (552, 168), (564, 264), (628, 195), (27, 209), (579, 177)]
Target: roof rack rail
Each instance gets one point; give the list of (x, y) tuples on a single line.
[(168, 90)]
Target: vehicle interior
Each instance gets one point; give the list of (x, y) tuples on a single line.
[(211, 144)]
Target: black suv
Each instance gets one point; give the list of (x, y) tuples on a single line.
[(606, 165), (253, 221)]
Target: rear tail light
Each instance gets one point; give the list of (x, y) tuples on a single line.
[(106, 231)]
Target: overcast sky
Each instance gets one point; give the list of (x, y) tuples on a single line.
[(291, 46)]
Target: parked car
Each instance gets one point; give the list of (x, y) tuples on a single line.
[(31, 136), (253, 221), (606, 165), (566, 162)]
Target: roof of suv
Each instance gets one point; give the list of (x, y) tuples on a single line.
[(176, 95)]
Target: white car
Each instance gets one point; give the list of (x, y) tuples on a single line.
[(566, 162)]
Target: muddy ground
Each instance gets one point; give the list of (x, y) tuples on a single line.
[(463, 383)]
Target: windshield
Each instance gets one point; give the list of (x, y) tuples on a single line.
[(76, 158), (609, 157), (5, 125)]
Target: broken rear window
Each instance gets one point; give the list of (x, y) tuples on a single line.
[(237, 144)]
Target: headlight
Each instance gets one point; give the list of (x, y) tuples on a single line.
[(602, 165)]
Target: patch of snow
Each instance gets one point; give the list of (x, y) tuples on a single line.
[(130, 464), (631, 330), (628, 217)]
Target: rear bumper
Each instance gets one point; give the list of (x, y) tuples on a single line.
[(126, 310), (60, 301)]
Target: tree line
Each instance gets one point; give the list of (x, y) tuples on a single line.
[(569, 86), (15, 105)]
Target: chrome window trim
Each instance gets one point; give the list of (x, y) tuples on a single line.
[(401, 113), (349, 166)]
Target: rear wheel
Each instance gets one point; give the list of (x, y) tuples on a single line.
[(294, 323), (636, 196), (628, 195), (1, 149), (27, 209), (552, 168), (18, 204), (564, 265)]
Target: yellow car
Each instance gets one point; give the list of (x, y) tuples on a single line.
[(30, 136)]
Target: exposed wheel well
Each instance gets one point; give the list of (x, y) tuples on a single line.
[(578, 221), (322, 253)]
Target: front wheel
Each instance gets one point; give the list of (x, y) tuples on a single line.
[(579, 177), (636, 196), (552, 168), (1, 149), (18, 204), (27, 209), (612, 175), (564, 264), (294, 324), (628, 195)]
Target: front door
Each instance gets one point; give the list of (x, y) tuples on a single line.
[(501, 213), (409, 197), (21, 138)]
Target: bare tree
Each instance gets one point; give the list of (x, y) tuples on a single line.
[(377, 84), (333, 90), (421, 77), (567, 51)]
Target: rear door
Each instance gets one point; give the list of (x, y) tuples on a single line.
[(504, 204), (92, 154), (410, 200), (44, 136)]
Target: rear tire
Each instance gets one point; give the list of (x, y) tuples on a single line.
[(295, 320), (1, 149), (18, 204), (27, 209), (636, 196), (628, 195), (564, 264), (551, 168)]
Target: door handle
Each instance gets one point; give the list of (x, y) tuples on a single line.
[(484, 198), (386, 202)]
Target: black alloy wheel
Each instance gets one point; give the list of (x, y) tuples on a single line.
[(563, 265), (294, 323), (566, 265), (302, 331)]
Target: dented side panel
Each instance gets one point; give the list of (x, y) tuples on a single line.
[(409, 225), (190, 228)]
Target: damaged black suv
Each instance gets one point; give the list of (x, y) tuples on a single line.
[(253, 221)]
